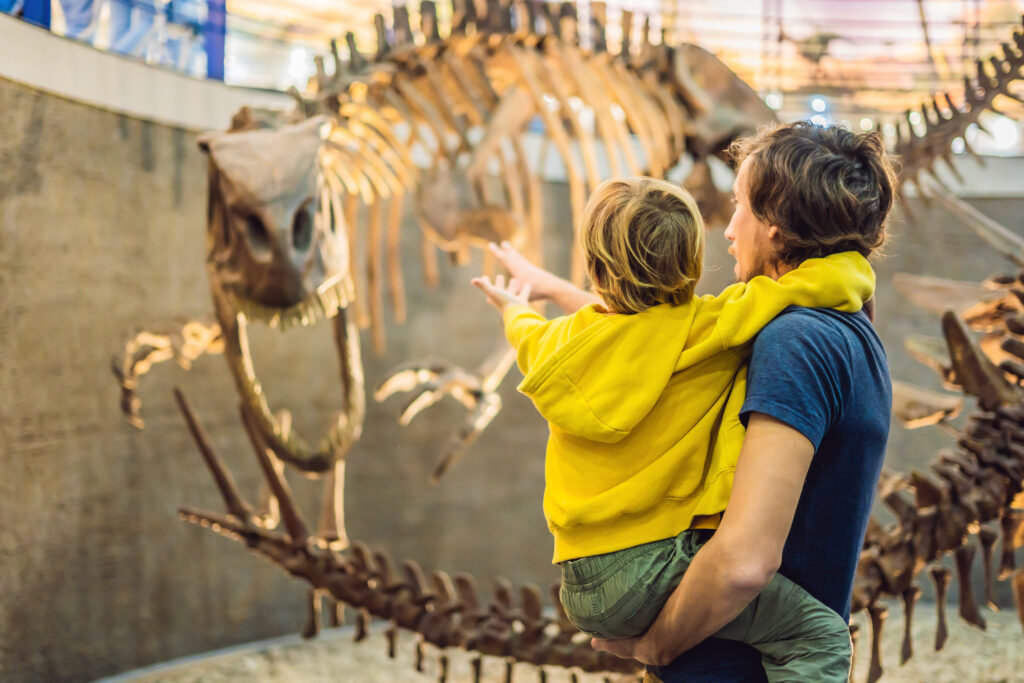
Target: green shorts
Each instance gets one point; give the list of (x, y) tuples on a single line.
[(619, 595)]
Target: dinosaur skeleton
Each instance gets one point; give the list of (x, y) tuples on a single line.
[(976, 487), (442, 123)]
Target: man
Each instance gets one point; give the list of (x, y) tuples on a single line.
[(817, 406)]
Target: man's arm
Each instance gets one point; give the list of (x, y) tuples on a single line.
[(544, 285), (743, 555)]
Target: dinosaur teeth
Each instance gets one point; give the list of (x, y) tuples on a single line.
[(323, 304)]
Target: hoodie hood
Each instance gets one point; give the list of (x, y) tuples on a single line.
[(605, 381)]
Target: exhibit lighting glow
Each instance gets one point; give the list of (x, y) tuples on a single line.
[(958, 146), (773, 100), (819, 120), (866, 124), (1004, 133), (818, 104), (298, 65), (915, 118)]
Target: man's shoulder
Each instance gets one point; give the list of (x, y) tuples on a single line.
[(794, 317), (799, 326)]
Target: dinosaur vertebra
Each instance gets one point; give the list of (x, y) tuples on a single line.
[(948, 121)]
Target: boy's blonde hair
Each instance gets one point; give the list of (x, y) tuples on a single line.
[(643, 240)]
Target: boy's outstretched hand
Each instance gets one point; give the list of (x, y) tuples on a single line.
[(501, 295), (540, 280)]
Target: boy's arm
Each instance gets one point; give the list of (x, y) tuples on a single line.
[(529, 333), (841, 281), (543, 285), (569, 297)]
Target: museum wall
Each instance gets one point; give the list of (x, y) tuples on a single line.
[(101, 231)]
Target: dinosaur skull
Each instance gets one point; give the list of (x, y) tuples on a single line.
[(270, 244), (277, 253)]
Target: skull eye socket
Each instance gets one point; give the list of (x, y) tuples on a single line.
[(302, 229), (256, 232)]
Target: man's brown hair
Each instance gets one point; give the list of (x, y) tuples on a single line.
[(643, 241), (827, 189)]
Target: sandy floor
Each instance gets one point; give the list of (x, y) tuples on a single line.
[(970, 655)]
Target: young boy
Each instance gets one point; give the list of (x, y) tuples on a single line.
[(642, 396)]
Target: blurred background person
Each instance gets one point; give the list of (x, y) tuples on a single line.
[(184, 32), (79, 18), (130, 23), (33, 11)]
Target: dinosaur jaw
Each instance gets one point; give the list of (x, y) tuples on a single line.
[(323, 303), (328, 302)]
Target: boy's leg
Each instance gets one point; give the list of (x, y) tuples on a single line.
[(799, 638), (619, 594)]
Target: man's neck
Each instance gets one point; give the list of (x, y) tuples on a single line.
[(779, 269)]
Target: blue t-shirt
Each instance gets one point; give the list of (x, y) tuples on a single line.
[(825, 374)]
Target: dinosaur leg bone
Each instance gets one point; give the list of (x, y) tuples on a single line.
[(878, 615), (968, 605), (909, 596), (940, 577), (988, 537)]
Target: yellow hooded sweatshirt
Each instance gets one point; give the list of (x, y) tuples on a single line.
[(644, 408)]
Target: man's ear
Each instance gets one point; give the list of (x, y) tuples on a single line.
[(773, 232)]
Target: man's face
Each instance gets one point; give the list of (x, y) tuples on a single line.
[(753, 245)]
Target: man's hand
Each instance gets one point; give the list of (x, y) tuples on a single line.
[(641, 649), (501, 295)]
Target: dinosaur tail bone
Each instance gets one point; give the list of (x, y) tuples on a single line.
[(443, 611)]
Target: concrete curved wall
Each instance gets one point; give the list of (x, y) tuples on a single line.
[(102, 230)]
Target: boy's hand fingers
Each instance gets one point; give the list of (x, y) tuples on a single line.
[(507, 254), (485, 286), (518, 288)]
